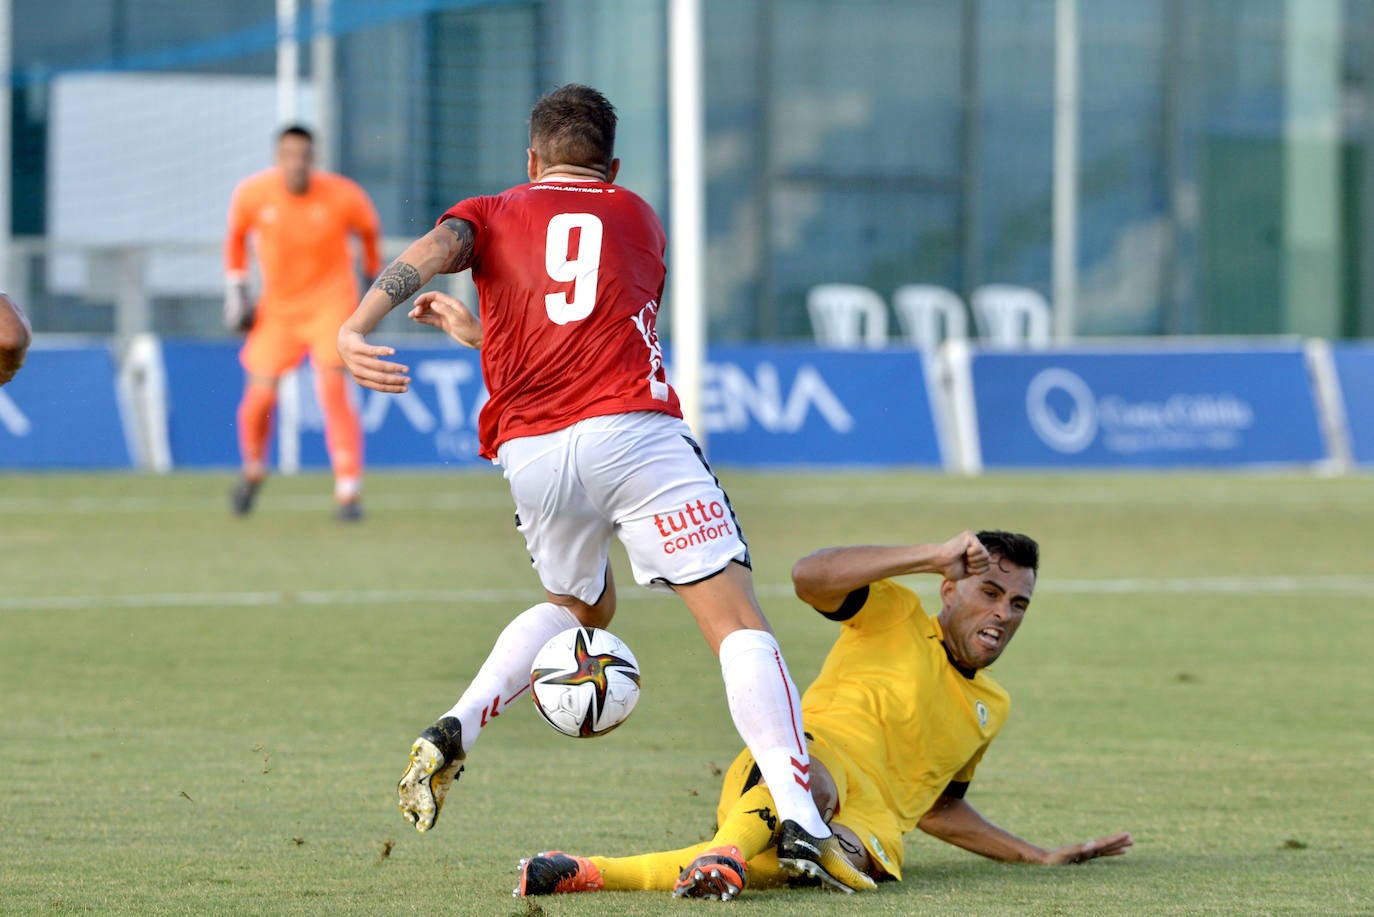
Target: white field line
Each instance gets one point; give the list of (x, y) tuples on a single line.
[(390, 598), (889, 492), (199, 503)]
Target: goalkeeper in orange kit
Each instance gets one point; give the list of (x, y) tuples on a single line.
[(301, 221)]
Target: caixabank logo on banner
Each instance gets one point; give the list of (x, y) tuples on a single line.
[(1188, 407)]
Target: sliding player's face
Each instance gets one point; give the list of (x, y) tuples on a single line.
[(982, 613), (295, 156)]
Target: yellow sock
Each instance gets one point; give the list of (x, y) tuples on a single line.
[(751, 824), (648, 871)]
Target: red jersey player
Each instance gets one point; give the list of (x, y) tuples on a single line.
[(569, 272)]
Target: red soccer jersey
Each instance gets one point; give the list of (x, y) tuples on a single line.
[(570, 275)]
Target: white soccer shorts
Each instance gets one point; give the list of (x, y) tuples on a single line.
[(639, 476)]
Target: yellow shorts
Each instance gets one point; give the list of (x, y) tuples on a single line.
[(278, 342), (861, 808)]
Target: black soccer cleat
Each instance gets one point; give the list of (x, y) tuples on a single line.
[(803, 854), (350, 511), (242, 496)]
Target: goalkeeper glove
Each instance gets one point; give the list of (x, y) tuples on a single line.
[(239, 307)]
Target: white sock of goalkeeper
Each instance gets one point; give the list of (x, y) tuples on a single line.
[(766, 708), (505, 676)]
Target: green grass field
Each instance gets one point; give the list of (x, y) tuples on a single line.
[(208, 715)]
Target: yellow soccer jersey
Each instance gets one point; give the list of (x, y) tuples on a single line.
[(890, 701)]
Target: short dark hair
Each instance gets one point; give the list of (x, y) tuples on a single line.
[(296, 130), (574, 125), (1019, 549)]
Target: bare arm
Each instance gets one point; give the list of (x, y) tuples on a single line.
[(14, 338), (824, 578), (956, 822), (446, 249)]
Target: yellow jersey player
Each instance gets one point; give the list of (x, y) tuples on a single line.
[(897, 721)]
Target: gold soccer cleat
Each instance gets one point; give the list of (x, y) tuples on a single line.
[(436, 760), (801, 854)]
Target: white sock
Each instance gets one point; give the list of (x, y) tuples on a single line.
[(505, 675), (766, 709)]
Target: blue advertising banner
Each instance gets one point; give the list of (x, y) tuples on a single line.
[(435, 423), (1355, 372), (806, 405), (61, 411), (1146, 408), (761, 406), (204, 385)]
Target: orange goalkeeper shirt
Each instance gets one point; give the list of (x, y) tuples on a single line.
[(301, 241)]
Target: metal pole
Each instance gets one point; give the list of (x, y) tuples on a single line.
[(1065, 244), (1363, 318), (971, 254), (288, 110), (322, 75), (687, 202), (1176, 56), (288, 62), (765, 321), (1312, 242)]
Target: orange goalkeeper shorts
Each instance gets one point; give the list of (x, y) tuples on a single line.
[(277, 342)]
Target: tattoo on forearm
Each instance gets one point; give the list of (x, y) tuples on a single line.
[(462, 232), (399, 282)]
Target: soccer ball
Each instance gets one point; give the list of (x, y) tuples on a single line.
[(585, 682)]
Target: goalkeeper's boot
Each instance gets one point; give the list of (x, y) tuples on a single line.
[(803, 854), (556, 873), (718, 874), (436, 760), (244, 493)]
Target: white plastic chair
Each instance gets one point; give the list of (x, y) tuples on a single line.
[(930, 315), (1011, 316), (847, 315)]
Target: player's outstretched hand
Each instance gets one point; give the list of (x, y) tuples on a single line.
[(449, 315), (1113, 846), (963, 555), (365, 363)]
